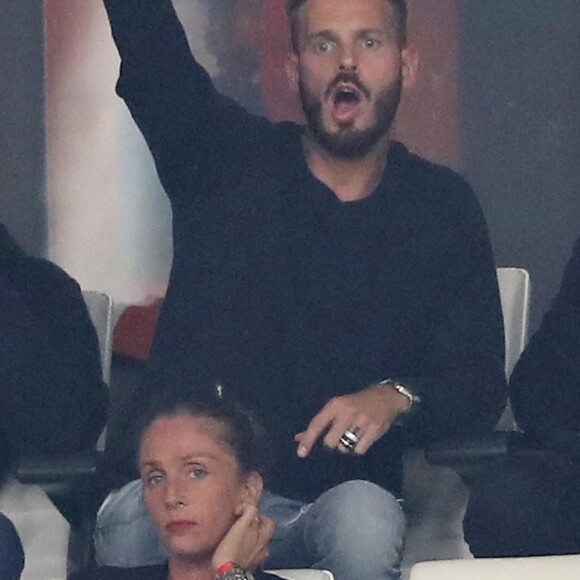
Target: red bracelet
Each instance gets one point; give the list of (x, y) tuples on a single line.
[(225, 568)]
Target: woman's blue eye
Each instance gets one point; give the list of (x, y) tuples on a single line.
[(154, 479), (371, 43), (197, 473)]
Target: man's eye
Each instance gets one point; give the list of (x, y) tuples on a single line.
[(322, 46), (371, 43)]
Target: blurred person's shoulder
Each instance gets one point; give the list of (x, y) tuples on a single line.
[(112, 573)]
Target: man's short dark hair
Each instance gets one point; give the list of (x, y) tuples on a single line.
[(400, 13)]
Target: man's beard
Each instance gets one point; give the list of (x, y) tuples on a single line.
[(350, 143)]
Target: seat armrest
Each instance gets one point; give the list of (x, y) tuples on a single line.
[(70, 481), (470, 456), (45, 470)]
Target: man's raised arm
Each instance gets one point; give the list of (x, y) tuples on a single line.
[(171, 97), (154, 51)]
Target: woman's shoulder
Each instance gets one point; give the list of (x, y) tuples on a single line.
[(110, 573), (144, 573)]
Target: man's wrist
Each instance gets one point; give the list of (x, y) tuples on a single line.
[(412, 399)]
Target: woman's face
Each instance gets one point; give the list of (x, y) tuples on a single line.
[(193, 486)]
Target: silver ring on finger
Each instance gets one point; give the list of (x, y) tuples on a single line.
[(350, 439)]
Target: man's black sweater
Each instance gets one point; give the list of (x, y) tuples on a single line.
[(287, 296)]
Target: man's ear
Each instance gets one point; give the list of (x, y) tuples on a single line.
[(409, 66), (253, 486), (292, 74)]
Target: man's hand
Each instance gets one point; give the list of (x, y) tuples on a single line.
[(369, 413), (246, 543)]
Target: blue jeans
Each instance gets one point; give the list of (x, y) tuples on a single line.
[(355, 529), (11, 552)]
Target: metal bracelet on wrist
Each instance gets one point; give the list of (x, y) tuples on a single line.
[(235, 573), (403, 390)]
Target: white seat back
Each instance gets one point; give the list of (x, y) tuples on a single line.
[(533, 568), (514, 290), (303, 574), (100, 307)]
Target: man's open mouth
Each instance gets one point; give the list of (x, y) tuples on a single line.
[(346, 101), (346, 96)]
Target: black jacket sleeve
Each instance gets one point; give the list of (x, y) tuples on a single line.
[(545, 385)]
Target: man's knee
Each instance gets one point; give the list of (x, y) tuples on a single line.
[(359, 516), (124, 533)]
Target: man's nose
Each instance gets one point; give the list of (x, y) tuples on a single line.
[(348, 59)]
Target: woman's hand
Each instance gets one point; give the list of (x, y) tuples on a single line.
[(246, 543)]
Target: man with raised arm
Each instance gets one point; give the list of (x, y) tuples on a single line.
[(338, 285)]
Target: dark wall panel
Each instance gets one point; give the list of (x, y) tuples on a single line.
[(520, 130), (22, 204)]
